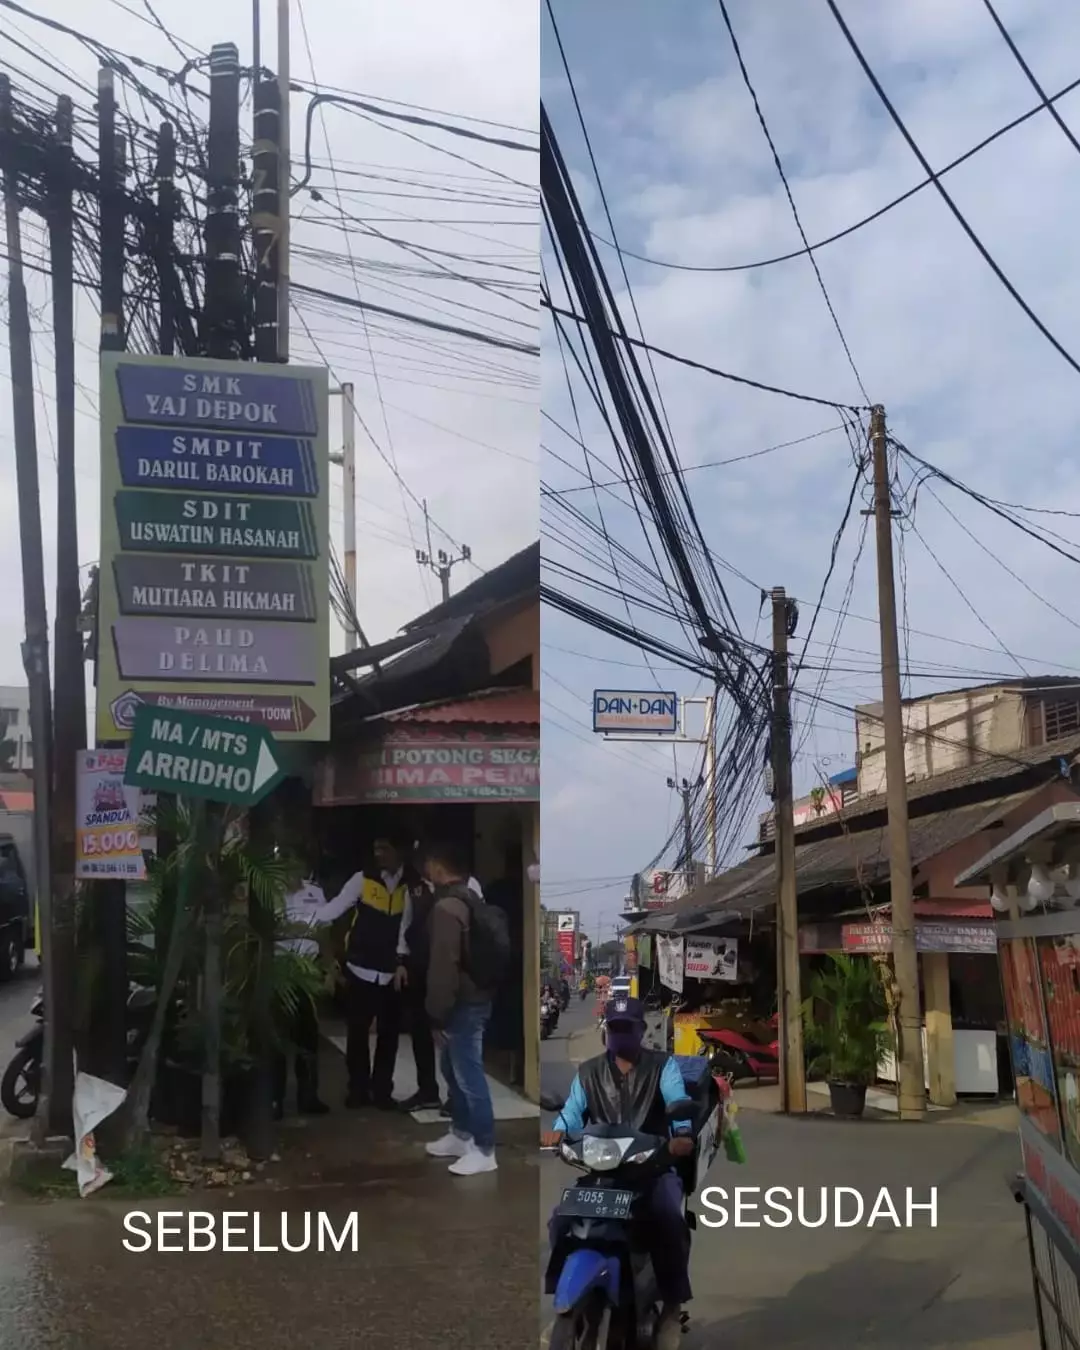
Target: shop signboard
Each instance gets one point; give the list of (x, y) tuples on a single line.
[(214, 580), (669, 961), (566, 939), (932, 936), (634, 712), (712, 958), (428, 765), (1029, 1038), (112, 836)]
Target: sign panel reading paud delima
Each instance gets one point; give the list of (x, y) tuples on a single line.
[(214, 583), (196, 756)]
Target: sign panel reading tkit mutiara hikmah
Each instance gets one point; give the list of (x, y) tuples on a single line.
[(214, 543)]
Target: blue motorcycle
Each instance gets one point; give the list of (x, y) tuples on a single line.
[(605, 1290)]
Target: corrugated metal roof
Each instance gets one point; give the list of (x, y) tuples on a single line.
[(491, 707), (842, 860), (991, 768)]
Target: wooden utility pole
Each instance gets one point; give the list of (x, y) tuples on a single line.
[(911, 1083), (788, 985), (69, 719), (35, 650)]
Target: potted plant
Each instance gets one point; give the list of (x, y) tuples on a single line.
[(847, 1029)]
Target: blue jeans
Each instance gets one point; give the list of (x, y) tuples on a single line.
[(462, 1064)]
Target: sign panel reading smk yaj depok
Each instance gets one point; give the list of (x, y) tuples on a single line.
[(214, 587)]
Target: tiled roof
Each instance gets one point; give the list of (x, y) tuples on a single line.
[(491, 707), (841, 860)]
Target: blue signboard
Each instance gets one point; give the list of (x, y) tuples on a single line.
[(198, 395), (636, 712), (216, 461)]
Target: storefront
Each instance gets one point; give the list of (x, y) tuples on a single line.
[(964, 1051), (1033, 879), (469, 769)]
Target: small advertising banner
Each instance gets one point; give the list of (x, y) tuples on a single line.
[(109, 838), (669, 962), (977, 939), (712, 958)]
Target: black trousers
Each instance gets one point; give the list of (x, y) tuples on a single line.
[(370, 1004), (305, 1036), (423, 1042)]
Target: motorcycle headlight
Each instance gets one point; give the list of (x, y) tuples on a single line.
[(602, 1155)]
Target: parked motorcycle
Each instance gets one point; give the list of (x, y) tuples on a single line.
[(549, 1017), (20, 1086), (734, 1055), (605, 1289)]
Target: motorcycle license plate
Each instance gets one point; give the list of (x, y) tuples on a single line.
[(582, 1202)]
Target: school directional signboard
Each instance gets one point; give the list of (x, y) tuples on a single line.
[(191, 755), (214, 580)]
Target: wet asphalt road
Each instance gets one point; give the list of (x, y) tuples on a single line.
[(442, 1261), (965, 1284)]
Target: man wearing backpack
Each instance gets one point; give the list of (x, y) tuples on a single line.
[(469, 958)]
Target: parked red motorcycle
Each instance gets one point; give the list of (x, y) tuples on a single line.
[(735, 1055)]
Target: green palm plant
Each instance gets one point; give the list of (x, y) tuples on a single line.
[(846, 1020), (262, 985)]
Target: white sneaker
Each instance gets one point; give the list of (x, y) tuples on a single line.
[(451, 1145), (472, 1163)]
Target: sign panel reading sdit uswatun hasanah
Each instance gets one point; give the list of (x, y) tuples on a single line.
[(214, 584), (630, 711)]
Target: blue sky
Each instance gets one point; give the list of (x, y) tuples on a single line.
[(966, 379)]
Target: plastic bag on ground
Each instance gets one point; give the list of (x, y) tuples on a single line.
[(95, 1100)]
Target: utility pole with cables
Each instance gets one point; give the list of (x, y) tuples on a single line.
[(911, 1083), (788, 985), (440, 563), (284, 16), (685, 790), (35, 648)]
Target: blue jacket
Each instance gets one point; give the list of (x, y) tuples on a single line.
[(572, 1118)]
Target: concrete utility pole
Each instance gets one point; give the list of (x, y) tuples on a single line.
[(166, 205), (684, 790), (710, 785), (105, 1049), (440, 563), (284, 176), (911, 1082), (69, 720), (266, 216), (35, 650), (788, 990), (348, 465)]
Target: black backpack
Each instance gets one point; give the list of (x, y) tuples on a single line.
[(488, 956)]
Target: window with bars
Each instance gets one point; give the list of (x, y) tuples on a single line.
[(1051, 719)]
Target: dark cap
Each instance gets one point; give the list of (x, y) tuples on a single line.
[(622, 1008)]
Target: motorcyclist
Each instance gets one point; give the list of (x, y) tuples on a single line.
[(632, 1086)]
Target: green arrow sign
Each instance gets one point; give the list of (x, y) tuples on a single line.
[(217, 758)]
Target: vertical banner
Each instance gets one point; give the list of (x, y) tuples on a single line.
[(111, 838), (669, 962), (566, 938), (214, 577)]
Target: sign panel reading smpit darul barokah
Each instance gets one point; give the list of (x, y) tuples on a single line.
[(214, 543)]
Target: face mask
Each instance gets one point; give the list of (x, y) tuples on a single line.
[(624, 1042)]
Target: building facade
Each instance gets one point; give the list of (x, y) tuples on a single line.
[(15, 725)]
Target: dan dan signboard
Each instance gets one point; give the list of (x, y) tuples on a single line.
[(214, 582), (634, 712)]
